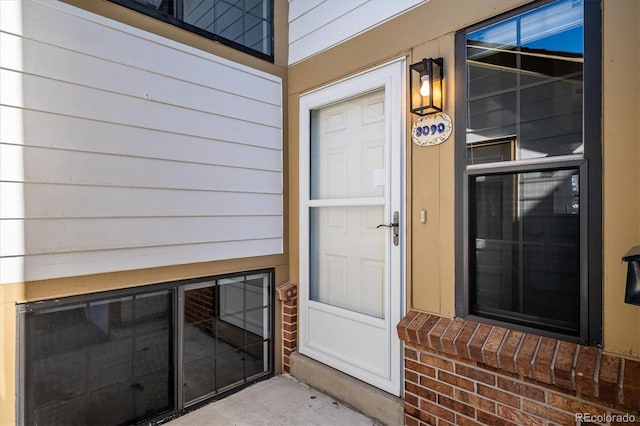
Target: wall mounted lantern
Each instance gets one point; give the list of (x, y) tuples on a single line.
[(632, 293), (426, 86)]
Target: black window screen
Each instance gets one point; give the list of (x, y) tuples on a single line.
[(103, 362)]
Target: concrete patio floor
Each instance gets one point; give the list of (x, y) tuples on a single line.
[(281, 400)]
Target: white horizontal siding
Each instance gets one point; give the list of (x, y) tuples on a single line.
[(316, 25), (123, 150)]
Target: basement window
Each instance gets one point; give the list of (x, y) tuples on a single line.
[(143, 354)]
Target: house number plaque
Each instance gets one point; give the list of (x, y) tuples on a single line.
[(432, 129)]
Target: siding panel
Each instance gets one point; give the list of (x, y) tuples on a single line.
[(328, 23), (117, 158)]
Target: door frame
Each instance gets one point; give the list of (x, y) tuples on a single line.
[(392, 77)]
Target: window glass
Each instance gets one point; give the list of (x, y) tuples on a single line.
[(525, 80), (525, 247), (104, 362), (246, 25)]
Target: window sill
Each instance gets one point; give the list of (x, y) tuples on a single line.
[(583, 370)]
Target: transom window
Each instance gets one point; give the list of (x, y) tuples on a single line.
[(529, 169), (246, 25)]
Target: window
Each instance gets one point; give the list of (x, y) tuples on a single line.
[(528, 164), (246, 25), (141, 354)]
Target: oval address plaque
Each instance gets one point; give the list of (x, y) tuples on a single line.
[(432, 129)]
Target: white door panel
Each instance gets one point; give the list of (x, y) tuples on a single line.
[(351, 273)]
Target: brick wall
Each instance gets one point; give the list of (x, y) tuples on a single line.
[(199, 305), (288, 295), (466, 373)]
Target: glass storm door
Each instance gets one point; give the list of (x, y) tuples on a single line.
[(351, 275)]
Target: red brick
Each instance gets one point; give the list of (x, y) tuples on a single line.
[(476, 374), (404, 322), (456, 381), (289, 327), (420, 391), (410, 353), (291, 319), (608, 389), (411, 421), (436, 386), (506, 353), (543, 360), (421, 414), (464, 421), (499, 396), (436, 410), (287, 292), (411, 410), (519, 388), (517, 416), (423, 331), (449, 336), (410, 398), (463, 338), (435, 361), (631, 384), (436, 333), (291, 310), (563, 365), (548, 413), (492, 344), (490, 419), (290, 335), (412, 328), (420, 368), (570, 405), (476, 345), (475, 401), (525, 354), (585, 370), (411, 376), (457, 406)]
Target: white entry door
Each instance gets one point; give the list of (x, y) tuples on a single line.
[(351, 225)]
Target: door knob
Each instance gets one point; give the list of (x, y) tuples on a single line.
[(396, 227)]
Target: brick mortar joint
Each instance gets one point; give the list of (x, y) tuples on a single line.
[(435, 344)]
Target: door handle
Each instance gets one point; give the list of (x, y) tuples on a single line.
[(396, 227)]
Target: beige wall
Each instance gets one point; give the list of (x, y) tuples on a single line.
[(621, 180), (430, 178)]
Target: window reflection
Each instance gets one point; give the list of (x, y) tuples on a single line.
[(526, 79)]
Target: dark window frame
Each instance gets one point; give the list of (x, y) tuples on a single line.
[(590, 166), (176, 20), (179, 407)]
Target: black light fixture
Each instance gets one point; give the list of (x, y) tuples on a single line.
[(426, 86), (632, 292)]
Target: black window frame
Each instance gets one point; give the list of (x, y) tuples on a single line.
[(590, 167), (173, 288), (177, 20)]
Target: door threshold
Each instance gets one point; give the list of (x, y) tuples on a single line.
[(369, 400)]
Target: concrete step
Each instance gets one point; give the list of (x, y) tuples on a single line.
[(370, 401)]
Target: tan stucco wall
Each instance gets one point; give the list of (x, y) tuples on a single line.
[(621, 180), (430, 178)]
